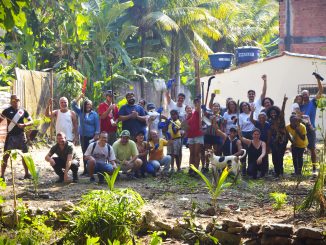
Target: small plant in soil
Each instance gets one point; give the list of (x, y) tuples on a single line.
[(214, 190), (279, 199)]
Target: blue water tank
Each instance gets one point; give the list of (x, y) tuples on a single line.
[(247, 54), (220, 60)]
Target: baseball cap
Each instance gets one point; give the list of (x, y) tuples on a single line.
[(125, 133), (150, 106)]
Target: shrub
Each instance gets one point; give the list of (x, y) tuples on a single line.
[(279, 199), (110, 215)]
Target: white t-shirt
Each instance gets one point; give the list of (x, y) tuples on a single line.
[(258, 107), (153, 120), (181, 110), (100, 153), (229, 118), (245, 124)]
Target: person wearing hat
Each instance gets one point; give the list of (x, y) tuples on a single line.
[(126, 154), (133, 116), (109, 114), (16, 138)]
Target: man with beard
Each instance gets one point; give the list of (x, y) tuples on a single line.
[(309, 108), (133, 116), (66, 120), (108, 113)]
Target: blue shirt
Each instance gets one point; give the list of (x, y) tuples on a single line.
[(310, 109), (90, 125), (132, 125)]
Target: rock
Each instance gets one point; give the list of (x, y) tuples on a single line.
[(68, 206), (6, 210), (253, 228), (45, 196), (235, 230), (150, 217), (312, 233), (164, 226), (315, 242), (8, 220), (278, 229), (209, 227), (210, 211), (227, 238), (272, 240), (232, 223), (178, 232)]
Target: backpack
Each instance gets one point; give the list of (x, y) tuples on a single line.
[(108, 146)]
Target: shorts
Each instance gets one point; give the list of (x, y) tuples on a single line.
[(196, 140), (212, 140), (311, 135), (18, 142), (175, 147)]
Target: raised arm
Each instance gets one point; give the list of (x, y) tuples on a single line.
[(211, 101), (252, 110), (320, 89), (48, 110), (283, 104), (263, 93), (75, 126), (168, 96), (244, 140)]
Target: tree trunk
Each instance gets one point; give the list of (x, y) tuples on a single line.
[(177, 66), (142, 63), (197, 76)]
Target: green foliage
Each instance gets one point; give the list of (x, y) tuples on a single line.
[(69, 82), (92, 240), (106, 214), (6, 75), (155, 237), (2, 187), (32, 169), (110, 180), (11, 14), (214, 191), (279, 199)]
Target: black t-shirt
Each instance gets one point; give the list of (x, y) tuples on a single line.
[(10, 112), (63, 154)]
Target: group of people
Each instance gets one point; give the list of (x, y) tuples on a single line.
[(256, 125)]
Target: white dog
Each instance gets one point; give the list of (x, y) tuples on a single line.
[(218, 163)]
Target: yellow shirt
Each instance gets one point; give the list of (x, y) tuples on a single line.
[(297, 141), (158, 153), (178, 126)]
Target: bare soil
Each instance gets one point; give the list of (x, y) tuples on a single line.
[(170, 198)]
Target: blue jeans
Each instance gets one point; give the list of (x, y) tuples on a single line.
[(101, 168), (165, 161)]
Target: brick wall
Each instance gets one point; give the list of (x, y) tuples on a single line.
[(307, 29)]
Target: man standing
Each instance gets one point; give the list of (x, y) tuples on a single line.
[(126, 153), (66, 120), (257, 103), (108, 113), (16, 138), (309, 108), (133, 116), (100, 158), (66, 159)]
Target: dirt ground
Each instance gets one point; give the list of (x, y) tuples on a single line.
[(248, 201)]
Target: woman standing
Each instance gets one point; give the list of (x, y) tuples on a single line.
[(230, 116), (195, 135), (277, 136), (89, 124), (256, 150)]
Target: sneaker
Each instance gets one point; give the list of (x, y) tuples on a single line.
[(92, 179)]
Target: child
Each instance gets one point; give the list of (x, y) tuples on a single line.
[(174, 149), (142, 147), (297, 134)]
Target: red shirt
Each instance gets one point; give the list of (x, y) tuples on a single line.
[(105, 124), (193, 122)]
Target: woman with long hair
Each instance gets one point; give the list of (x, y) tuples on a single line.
[(277, 136), (230, 116), (89, 124)]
